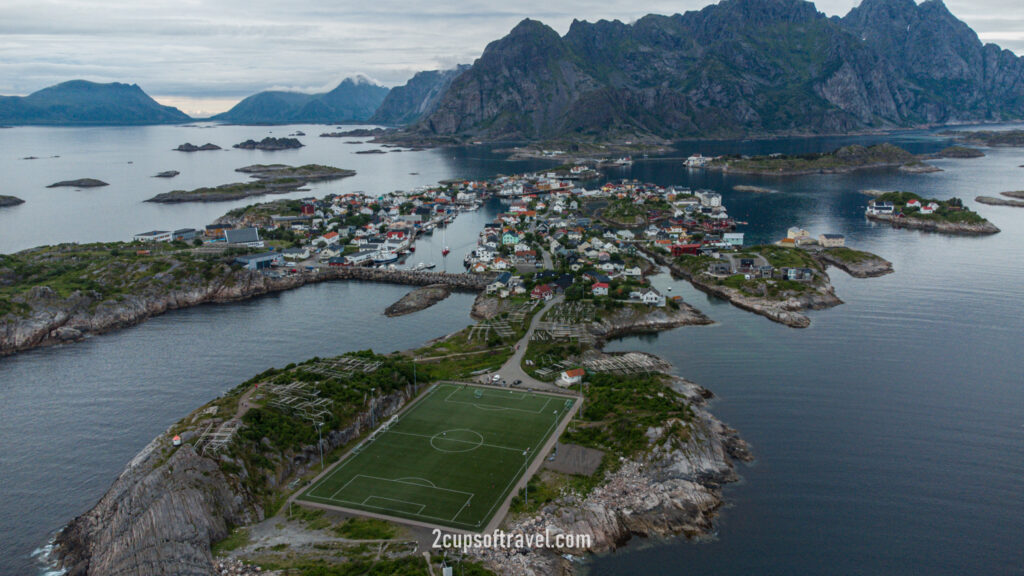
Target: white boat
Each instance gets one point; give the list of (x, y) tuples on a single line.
[(385, 257)]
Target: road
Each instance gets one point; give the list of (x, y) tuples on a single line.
[(512, 370)]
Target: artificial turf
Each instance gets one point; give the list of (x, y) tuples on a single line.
[(451, 459)]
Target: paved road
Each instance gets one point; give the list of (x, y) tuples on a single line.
[(512, 370)]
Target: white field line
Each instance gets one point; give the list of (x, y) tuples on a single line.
[(422, 506), (457, 440)]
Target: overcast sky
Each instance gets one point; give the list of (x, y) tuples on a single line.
[(205, 55)]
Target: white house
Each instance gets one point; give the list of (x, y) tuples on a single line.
[(570, 377), (652, 297), (153, 236)]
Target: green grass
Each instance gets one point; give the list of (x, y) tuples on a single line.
[(365, 529), (235, 540), (450, 460)]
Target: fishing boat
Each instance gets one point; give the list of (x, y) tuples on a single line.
[(446, 251), (385, 257)]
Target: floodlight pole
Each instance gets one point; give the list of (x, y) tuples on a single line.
[(321, 438)]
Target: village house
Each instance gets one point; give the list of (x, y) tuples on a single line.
[(570, 377), (832, 240)]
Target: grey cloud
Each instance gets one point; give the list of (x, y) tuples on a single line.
[(232, 48)]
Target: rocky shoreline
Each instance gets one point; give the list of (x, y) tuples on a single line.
[(957, 228), (54, 320), (6, 201), (170, 504), (674, 489), (867, 268), (786, 311)]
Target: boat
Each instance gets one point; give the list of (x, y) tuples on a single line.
[(412, 248), (446, 251), (385, 257), (430, 266)]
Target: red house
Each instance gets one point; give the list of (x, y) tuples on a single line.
[(307, 209), (542, 292), (681, 249)]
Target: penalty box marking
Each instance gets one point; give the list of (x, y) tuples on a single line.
[(522, 396)]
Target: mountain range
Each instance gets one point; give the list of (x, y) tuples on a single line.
[(736, 68), (79, 102), (353, 100)]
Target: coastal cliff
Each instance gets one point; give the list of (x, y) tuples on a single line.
[(53, 319), (170, 504)]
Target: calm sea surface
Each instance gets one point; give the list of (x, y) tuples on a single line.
[(889, 435)]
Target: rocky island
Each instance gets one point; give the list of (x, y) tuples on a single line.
[(418, 299), (1015, 199), (80, 183), (270, 144), (908, 210), (6, 201), (990, 138), (856, 263), (166, 174), (845, 159), (959, 152), (781, 299), (270, 179), (189, 147), (661, 462), (357, 133)]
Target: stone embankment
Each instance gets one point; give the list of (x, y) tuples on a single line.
[(55, 320)]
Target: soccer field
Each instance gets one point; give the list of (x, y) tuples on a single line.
[(451, 459)]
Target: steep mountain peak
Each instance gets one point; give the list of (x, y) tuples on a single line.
[(766, 11)]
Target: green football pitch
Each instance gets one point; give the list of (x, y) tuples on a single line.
[(451, 459)]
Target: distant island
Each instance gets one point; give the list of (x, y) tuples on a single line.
[(270, 179), (190, 147), (6, 201), (353, 100), (80, 183), (959, 152), (357, 133), (1015, 199), (845, 159), (82, 103), (167, 174), (270, 143), (909, 210), (990, 138)]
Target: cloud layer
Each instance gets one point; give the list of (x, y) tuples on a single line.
[(210, 53)]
